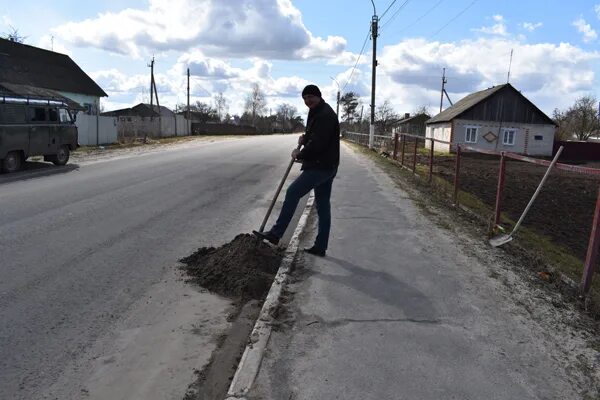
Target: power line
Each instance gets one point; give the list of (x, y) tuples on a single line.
[(394, 15), (358, 59), (455, 17), (421, 17), (387, 9)]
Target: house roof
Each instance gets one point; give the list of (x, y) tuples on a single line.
[(467, 103), (140, 110), (464, 104), (27, 65)]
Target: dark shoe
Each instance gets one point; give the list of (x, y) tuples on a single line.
[(315, 251), (268, 236)]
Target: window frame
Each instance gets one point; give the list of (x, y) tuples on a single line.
[(514, 136), (468, 129)]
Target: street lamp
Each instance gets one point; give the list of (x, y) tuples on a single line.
[(338, 96)]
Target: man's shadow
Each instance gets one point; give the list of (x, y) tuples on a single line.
[(383, 287)]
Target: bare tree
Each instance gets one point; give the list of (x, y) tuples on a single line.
[(423, 109), (221, 105), (285, 114), (385, 116), (14, 36), (579, 121), (255, 102)]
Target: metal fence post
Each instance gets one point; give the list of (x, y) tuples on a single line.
[(395, 154), (414, 168), (431, 161), (403, 149), (500, 190), (456, 174), (592, 251)]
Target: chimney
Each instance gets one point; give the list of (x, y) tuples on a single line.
[(406, 115)]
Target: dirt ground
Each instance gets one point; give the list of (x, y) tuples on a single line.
[(563, 210), (243, 268)]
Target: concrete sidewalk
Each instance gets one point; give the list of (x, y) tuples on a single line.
[(397, 311)]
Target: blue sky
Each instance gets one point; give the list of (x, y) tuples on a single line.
[(283, 45)]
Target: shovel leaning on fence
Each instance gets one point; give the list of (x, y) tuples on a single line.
[(499, 240)]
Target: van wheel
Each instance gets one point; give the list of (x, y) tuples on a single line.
[(12, 162), (62, 157)]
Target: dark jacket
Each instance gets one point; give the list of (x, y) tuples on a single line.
[(322, 139)]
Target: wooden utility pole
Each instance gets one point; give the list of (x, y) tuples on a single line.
[(188, 101)]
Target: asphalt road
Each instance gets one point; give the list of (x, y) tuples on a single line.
[(79, 246)]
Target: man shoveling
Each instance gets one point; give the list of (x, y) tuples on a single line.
[(320, 157)]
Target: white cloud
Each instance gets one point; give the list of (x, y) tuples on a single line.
[(597, 10), (589, 34), (530, 26), (551, 75), (499, 28), (6, 21), (236, 28), (53, 44)]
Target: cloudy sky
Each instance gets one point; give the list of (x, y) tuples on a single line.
[(285, 44)]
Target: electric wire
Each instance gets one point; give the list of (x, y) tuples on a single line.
[(395, 14), (387, 9), (358, 59), (453, 19), (421, 17)]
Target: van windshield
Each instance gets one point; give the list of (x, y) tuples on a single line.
[(64, 115)]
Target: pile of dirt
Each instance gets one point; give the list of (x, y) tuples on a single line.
[(242, 268)]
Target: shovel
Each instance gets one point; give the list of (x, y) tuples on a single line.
[(499, 240), (287, 172)]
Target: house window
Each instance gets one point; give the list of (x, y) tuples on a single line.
[(471, 135), (538, 137), (509, 137)]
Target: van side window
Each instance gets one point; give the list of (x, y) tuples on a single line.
[(12, 114), (37, 114), (64, 115), (53, 114)]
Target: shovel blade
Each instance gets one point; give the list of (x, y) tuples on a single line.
[(499, 240)]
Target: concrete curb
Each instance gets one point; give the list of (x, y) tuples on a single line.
[(249, 365)]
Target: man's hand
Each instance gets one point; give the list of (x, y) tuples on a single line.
[(301, 140), (295, 153)]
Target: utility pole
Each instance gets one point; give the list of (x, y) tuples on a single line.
[(151, 97), (188, 101), (444, 81), (374, 34)]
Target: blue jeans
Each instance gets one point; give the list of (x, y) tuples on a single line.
[(321, 181)]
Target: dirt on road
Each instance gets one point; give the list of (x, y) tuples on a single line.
[(243, 268)]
